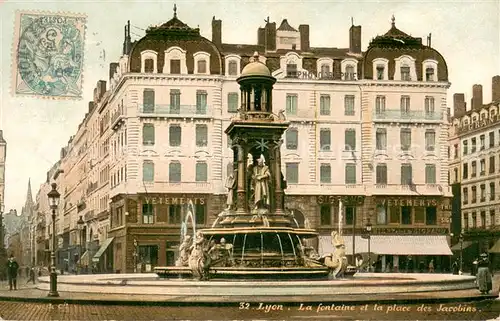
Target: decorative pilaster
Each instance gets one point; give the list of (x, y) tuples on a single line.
[(279, 193), (241, 191)]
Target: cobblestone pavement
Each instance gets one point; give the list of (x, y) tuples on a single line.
[(41, 311)]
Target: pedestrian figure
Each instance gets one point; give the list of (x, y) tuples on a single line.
[(431, 266), (455, 267), (483, 278), (421, 267), (12, 270), (31, 277)]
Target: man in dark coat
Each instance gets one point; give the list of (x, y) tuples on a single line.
[(12, 269)]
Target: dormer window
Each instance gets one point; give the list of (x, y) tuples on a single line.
[(202, 66), (148, 62), (291, 70), (232, 68), (149, 65), (380, 72), (405, 73), (325, 71), (175, 66), (349, 72), (429, 74)]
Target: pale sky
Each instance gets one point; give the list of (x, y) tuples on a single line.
[(466, 33)]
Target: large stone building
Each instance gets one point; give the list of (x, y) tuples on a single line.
[(158, 145), (474, 171)]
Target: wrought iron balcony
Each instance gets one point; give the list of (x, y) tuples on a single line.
[(173, 111), (412, 115)]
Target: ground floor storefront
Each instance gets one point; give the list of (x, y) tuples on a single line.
[(146, 229)]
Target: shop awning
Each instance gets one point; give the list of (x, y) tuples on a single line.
[(465, 244), (102, 249), (392, 245), (495, 248)]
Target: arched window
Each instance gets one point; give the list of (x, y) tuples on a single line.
[(325, 71), (149, 65)]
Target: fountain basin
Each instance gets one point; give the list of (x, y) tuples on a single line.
[(173, 272)]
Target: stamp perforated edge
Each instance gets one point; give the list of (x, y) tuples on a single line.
[(15, 43)]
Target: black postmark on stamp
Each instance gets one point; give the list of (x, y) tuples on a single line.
[(49, 55)]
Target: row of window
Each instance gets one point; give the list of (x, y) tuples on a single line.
[(473, 222), (473, 167), (171, 214), (175, 135), (149, 101), (473, 144), (405, 215), (491, 196), (174, 171)]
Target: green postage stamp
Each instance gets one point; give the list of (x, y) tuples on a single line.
[(48, 54)]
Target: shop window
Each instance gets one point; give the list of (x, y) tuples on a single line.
[(419, 215), (170, 258), (350, 213), (148, 254), (381, 214), (431, 215), (174, 214), (406, 218), (394, 214), (147, 214), (200, 212), (325, 215)]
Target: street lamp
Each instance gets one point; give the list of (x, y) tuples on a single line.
[(461, 239), (368, 229), (80, 223), (53, 196), (3, 252), (136, 254)]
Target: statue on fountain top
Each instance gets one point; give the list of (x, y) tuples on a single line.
[(260, 183)]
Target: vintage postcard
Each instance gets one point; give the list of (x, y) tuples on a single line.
[(258, 160)]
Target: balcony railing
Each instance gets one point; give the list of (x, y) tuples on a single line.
[(390, 114), (172, 111)]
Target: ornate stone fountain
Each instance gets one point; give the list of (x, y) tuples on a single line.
[(254, 237)]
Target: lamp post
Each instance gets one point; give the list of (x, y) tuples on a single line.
[(80, 223), (368, 229), (136, 254), (53, 196), (3, 251), (461, 239)]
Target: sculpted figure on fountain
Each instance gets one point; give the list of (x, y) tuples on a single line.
[(231, 185), (337, 261), (184, 251), (260, 184), (199, 260)]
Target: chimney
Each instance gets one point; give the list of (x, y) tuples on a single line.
[(355, 39), (101, 89), (459, 105), (261, 36), (477, 97), (112, 69), (216, 31), (495, 88), (270, 36), (125, 41), (304, 37), (91, 106)]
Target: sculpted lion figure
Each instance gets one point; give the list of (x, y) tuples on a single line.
[(337, 261)]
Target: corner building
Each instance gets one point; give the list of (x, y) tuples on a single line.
[(363, 124), (475, 173)]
